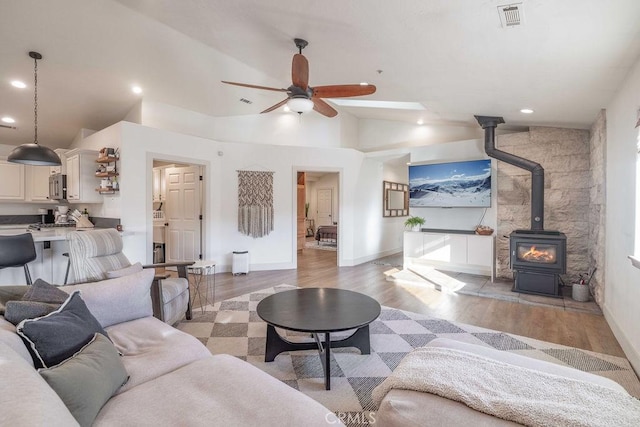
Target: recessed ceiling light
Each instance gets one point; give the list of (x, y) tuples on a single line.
[(420, 122), (408, 163), (8, 120), (18, 84), (364, 84), (526, 111), (136, 89)]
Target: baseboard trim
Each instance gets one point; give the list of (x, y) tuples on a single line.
[(367, 258), (632, 354)]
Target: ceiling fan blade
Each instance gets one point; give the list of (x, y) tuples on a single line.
[(323, 108), (275, 107), (342, 91), (255, 86), (300, 71)]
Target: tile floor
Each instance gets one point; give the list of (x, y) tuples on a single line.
[(470, 284)]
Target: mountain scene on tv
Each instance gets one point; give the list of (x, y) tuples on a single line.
[(459, 184)]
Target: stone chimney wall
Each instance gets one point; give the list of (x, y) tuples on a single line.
[(597, 205), (565, 156)]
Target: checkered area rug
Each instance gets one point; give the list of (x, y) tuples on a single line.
[(233, 327)]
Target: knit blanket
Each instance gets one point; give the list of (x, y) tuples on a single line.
[(513, 393)]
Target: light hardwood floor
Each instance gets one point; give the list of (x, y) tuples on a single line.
[(318, 268)]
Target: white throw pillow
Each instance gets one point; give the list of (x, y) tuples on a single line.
[(135, 268), (113, 301)]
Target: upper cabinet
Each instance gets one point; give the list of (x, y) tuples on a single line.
[(12, 179), (81, 176), (159, 186)]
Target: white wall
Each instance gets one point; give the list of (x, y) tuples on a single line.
[(140, 145), (387, 134), (622, 280), (275, 128), (456, 218)]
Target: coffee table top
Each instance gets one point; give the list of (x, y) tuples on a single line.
[(318, 310)]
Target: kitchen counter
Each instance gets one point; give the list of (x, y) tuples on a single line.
[(44, 234), (50, 264)]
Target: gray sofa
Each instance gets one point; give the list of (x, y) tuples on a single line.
[(173, 378)]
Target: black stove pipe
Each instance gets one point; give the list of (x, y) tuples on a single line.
[(489, 125)]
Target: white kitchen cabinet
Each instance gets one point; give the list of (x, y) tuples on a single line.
[(81, 177), (159, 185), (467, 253), (12, 179), (63, 167), (37, 184)]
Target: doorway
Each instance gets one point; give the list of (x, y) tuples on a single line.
[(318, 200), (178, 201)]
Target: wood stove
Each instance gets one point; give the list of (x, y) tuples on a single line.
[(538, 258)]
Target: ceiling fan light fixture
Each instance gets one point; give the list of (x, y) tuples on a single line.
[(33, 153), (300, 105)]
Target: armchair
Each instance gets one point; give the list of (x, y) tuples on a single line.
[(97, 255)]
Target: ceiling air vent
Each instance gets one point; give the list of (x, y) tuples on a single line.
[(511, 15), (8, 127), (246, 101)]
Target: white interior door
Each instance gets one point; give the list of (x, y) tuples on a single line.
[(325, 206), (182, 213)]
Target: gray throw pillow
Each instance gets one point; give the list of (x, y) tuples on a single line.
[(17, 311), (42, 291), (61, 333), (11, 293), (87, 380)]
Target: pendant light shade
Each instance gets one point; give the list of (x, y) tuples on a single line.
[(33, 153), (300, 105)]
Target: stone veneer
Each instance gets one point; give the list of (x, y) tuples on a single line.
[(597, 205), (565, 156)]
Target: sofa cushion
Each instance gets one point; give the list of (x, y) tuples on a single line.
[(135, 268), (60, 334), (118, 300), (9, 337), (88, 379), (219, 390), (151, 348), (25, 398)]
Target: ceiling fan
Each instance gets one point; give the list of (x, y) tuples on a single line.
[(301, 97)]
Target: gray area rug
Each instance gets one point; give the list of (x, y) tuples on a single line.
[(233, 327)]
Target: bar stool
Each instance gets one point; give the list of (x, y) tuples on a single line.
[(66, 275), (17, 251)]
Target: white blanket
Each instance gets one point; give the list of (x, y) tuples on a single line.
[(513, 393)]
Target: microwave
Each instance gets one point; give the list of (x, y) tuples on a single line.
[(58, 187)]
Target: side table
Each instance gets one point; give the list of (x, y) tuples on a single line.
[(204, 282)]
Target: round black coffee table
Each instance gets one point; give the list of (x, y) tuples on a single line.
[(318, 311)]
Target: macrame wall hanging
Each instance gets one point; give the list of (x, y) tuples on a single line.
[(255, 203)]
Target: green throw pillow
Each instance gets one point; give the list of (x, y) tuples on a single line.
[(61, 333), (86, 381)]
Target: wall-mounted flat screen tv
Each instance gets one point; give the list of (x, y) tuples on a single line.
[(451, 185)]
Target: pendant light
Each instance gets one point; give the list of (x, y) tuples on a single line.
[(34, 154)]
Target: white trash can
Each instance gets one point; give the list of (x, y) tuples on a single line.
[(240, 264)]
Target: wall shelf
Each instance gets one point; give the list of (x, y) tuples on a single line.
[(107, 159), (107, 172)]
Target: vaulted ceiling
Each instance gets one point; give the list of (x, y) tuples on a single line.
[(565, 61)]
